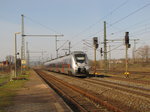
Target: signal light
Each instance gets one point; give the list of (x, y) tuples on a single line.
[(127, 38), (101, 50), (96, 45), (129, 45), (95, 42)]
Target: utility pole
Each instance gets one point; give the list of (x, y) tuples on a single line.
[(23, 62), (134, 49), (69, 47), (109, 57), (16, 53), (105, 48), (48, 36), (51, 56), (41, 52), (23, 40), (42, 57), (56, 46), (27, 52)]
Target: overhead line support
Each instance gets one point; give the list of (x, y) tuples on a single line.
[(105, 48)]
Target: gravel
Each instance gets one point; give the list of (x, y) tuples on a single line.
[(129, 101)]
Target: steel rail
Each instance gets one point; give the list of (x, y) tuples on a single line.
[(88, 95), (112, 85), (71, 102)]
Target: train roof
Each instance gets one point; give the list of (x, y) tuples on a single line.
[(74, 52), (77, 52)]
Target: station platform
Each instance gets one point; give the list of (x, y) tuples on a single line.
[(37, 96)]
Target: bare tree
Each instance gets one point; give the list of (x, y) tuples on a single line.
[(143, 53), (10, 59)]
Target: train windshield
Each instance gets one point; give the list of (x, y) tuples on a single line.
[(80, 58)]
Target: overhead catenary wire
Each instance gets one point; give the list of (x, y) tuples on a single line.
[(44, 26), (144, 32), (63, 44), (123, 18), (130, 26), (85, 38), (110, 13), (114, 48), (114, 22), (130, 14), (120, 6), (119, 20)]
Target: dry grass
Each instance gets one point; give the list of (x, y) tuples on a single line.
[(139, 67), (8, 91)]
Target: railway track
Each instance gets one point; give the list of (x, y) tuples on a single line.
[(142, 92), (129, 96), (78, 98), (136, 76), (121, 71), (131, 80)]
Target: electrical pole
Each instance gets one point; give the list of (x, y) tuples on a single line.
[(16, 53), (48, 36), (42, 57), (105, 48), (42, 54), (109, 57), (23, 40), (56, 46), (23, 61), (51, 56), (101, 59), (69, 47), (23, 44), (15, 56), (27, 52), (134, 49)]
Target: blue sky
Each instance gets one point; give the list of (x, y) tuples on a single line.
[(76, 20)]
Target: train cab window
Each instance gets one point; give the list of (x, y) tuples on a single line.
[(80, 58)]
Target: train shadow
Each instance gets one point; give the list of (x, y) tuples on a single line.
[(92, 75), (81, 77), (99, 76)]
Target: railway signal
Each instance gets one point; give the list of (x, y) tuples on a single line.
[(101, 51), (95, 43), (127, 45), (127, 40)]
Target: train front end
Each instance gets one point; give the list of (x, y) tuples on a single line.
[(81, 64)]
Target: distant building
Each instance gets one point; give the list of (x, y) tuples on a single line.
[(4, 64)]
